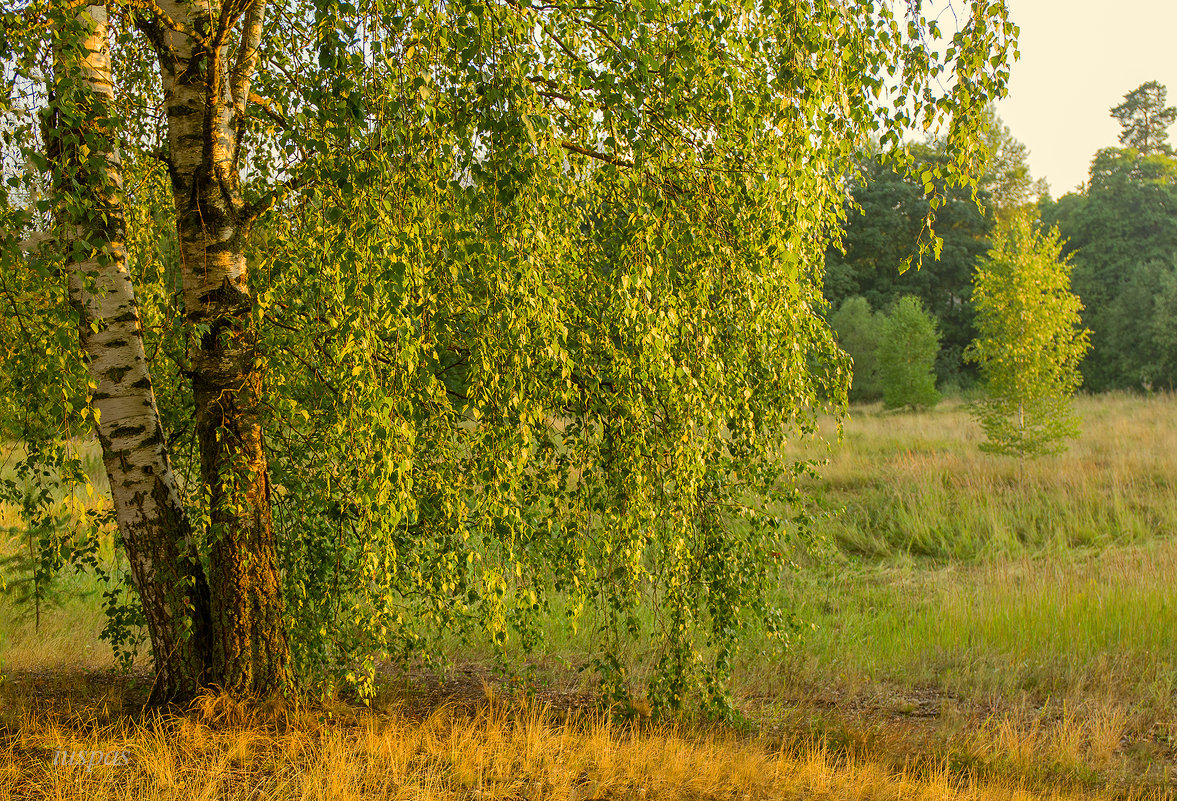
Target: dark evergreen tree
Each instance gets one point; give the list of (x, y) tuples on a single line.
[(881, 235), (1122, 233)]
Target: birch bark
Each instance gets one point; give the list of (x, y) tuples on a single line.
[(152, 521), (205, 96)]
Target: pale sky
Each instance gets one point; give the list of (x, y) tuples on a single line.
[(1079, 58)]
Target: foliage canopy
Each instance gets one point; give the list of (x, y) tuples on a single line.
[(885, 213), (1121, 233)]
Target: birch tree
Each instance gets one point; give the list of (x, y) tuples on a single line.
[(1030, 340), (84, 162), (206, 84), (453, 310)]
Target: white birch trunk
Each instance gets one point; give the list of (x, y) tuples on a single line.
[(148, 506)]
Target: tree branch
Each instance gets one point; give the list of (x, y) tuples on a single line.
[(246, 61), (251, 211), (231, 12), (596, 154), (160, 17), (267, 107)]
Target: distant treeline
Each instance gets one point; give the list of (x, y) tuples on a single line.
[(1120, 232)]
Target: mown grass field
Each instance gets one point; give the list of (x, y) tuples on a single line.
[(977, 627)]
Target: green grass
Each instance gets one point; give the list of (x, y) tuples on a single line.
[(64, 631), (1093, 626), (918, 484), (68, 634), (1013, 616)]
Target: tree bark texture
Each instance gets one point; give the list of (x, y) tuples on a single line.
[(154, 527), (204, 97)]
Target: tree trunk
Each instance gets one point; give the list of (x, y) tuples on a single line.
[(151, 518), (205, 102)]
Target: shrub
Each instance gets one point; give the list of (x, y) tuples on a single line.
[(907, 352), (859, 330)]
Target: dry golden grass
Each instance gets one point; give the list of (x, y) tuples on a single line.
[(221, 750)]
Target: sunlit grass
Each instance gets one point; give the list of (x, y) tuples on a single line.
[(68, 636), (220, 750), (919, 484)]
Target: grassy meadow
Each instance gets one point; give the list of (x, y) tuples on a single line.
[(976, 627), (1014, 618)]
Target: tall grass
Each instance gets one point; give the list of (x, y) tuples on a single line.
[(223, 751), (1098, 627), (918, 484)]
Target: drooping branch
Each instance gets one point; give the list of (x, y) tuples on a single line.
[(26, 246), (245, 64)]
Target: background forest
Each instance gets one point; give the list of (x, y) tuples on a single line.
[(1119, 231)]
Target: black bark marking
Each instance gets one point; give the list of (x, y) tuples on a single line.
[(116, 374)]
